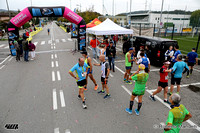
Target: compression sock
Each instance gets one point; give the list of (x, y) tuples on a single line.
[(188, 73), (191, 71), (131, 105), (83, 102), (139, 106)]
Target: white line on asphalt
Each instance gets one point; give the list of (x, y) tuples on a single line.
[(55, 100), (67, 131), (2, 45), (120, 61), (7, 47), (95, 60), (119, 69), (56, 63), (58, 75), (43, 42), (90, 48), (57, 40), (10, 59), (197, 70), (51, 47), (63, 40), (56, 56), (54, 47), (35, 43), (111, 75), (2, 67), (69, 39), (62, 99), (51, 56), (167, 105), (50, 41), (5, 59), (152, 70), (54, 44), (52, 64), (129, 92), (53, 76)]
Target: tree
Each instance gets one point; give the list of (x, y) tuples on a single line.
[(195, 19)]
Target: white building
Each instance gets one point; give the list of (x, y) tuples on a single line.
[(150, 18)]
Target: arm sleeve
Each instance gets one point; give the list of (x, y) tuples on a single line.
[(134, 77), (170, 118)]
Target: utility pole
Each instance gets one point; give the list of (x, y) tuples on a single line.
[(113, 10), (103, 7), (160, 18), (31, 2), (130, 12), (8, 9), (70, 5)]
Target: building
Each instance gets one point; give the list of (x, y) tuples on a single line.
[(121, 20)]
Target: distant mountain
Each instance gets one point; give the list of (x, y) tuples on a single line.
[(5, 10)]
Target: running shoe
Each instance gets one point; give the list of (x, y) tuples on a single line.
[(129, 111), (137, 112), (166, 101), (187, 76), (129, 82), (84, 106), (169, 93), (124, 80), (107, 96), (152, 98), (96, 87), (85, 88), (101, 92)]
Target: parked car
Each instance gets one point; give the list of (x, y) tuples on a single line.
[(157, 46)]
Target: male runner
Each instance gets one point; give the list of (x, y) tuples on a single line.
[(128, 61), (163, 82), (140, 77), (81, 68), (104, 75), (192, 59), (145, 61), (88, 61), (48, 30)]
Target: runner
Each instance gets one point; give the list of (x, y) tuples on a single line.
[(177, 115), (163, 82), (177, 73), (104, 75), (128, 65), (48, 30), (192, 59), (81, 68), (140, 77), (145, 61), (176, 53), (88, 61)]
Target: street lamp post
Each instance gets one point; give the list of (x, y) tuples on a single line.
[(8, 9), (160, 18)]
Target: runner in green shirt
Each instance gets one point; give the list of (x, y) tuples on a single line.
[(140, 78), (177, 115)]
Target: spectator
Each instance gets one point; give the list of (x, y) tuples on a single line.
[(94, 43), (20, 45), (32, 50), (115, 39), (169, 54), (140, 51), (17, 47), (25, 48), (111, 52), (147, 52), (27, 33), (177, 52)]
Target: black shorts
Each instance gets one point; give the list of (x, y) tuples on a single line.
[(136, 94), (146, 69), (191, 64), (175, 80), (81, 83), (103, 80), (162, 84)]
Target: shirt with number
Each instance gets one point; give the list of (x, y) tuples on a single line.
[(192, 57), (104, 69), (163, 74), (80, 71)]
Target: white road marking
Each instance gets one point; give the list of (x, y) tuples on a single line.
[(51, 56), (120, 61), (95, 60), (197, 70), (35, 43), (54, 47), (10, 59), (62, 99), (129, 92), (43, 42), (58, 75), (67, 131), (50, 41), (55, 100), (52, 64), (56, 56), (63, 40), (57, 40), (56, 63), (69, 39), (51, 47), (53, 76), (111, 75), (7, 47), (119, 69), (167, 105), (2, 45), (2, 67), (90, 48), (5, 59)]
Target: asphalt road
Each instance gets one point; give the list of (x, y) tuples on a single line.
[(41, 97)]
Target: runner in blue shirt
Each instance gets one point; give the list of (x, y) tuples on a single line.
[(177, 71), (192, 59), (176, 53), (81, 69)]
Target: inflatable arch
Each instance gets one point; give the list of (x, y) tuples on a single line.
[(61, 11)]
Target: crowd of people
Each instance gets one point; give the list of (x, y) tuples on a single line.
[(173, 66)]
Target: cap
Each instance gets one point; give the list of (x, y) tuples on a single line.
[(130, 49), (84, 52), (141, 66), (193, 49), (167, 62)]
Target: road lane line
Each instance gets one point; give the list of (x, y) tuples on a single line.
[(57, 40), (52, 64), (197, 70), (53, 76), (95, 60), (129, 92), (119, 69), (63, 40), (50, 41), (111, 75), (2, 45), (54, 47), (55, 56), (67, 131), (62, 99), (5, 59), (55, 106), (167, 105), (56, 63), (58, 75), (51, 47), (2, 67), (43, 42), (120, 61), (7, 47), (35, 43), (69, 39), (56, 130), (51, 56), (10, 59)]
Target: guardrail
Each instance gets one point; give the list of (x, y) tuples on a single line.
[(38, 29), (63, 28)]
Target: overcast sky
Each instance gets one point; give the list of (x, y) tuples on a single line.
[(120, 5)]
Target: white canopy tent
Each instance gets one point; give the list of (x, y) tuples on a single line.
[(108, 27)]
